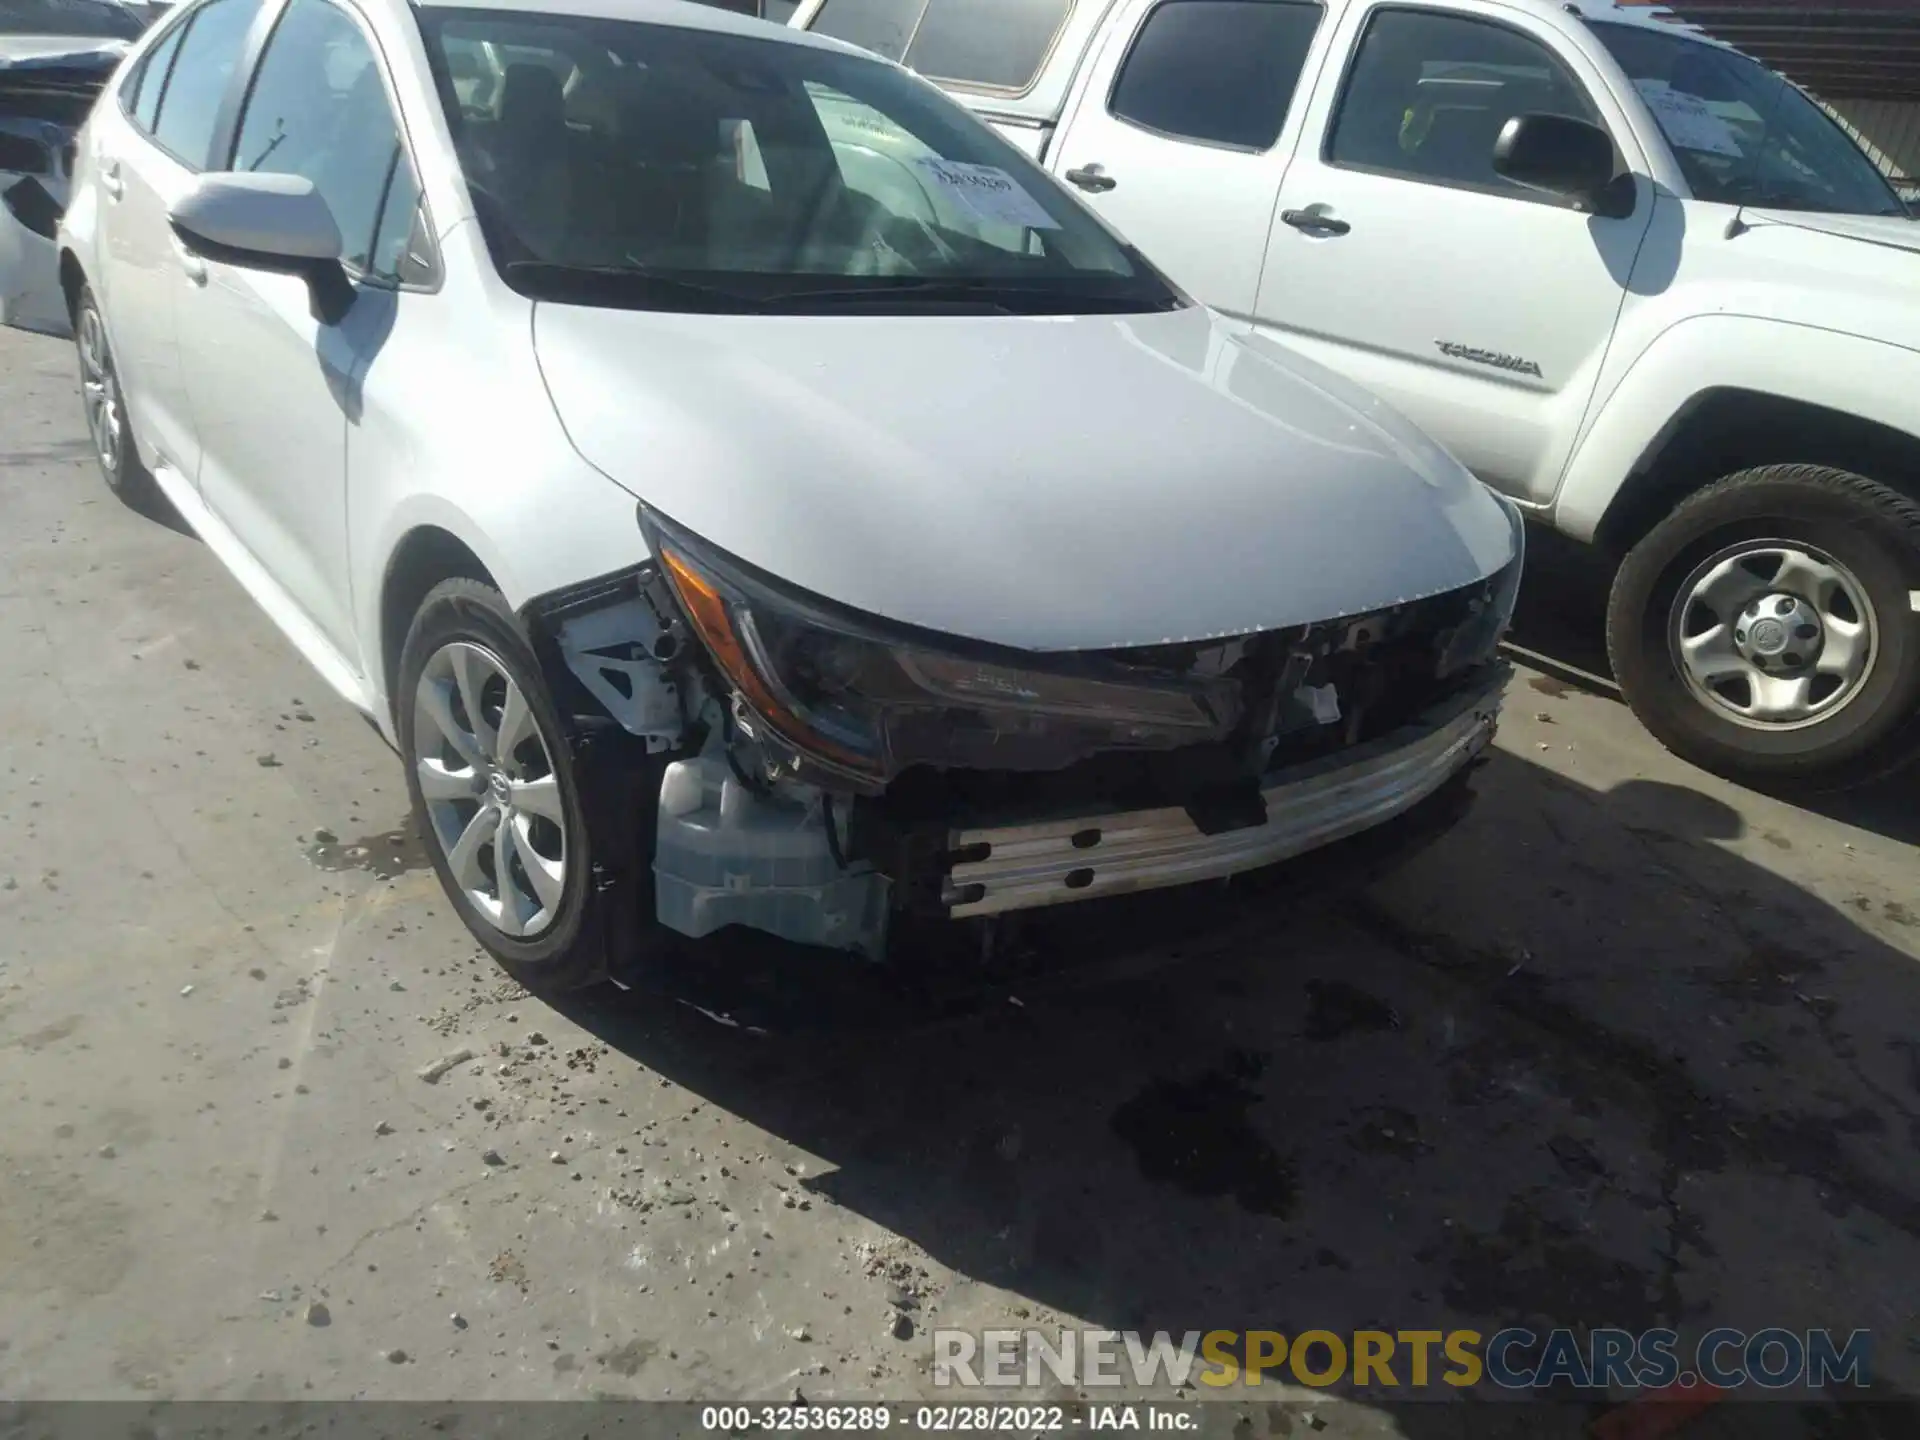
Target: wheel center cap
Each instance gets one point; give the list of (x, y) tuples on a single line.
[(1768, 636), (500, 788)]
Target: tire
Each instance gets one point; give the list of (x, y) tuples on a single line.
[(104, 404), (1847, 551), (545, 930)]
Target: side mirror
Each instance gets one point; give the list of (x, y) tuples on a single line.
[(1557, 154), (278, 223)]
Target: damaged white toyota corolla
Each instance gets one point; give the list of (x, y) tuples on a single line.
[(744, 488)]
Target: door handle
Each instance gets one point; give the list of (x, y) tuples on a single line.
[(110, 179), (1314, 222), (1092, 178)]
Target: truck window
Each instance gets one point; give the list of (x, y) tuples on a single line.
[(1221, 72), (992, 44), (1428, 95), (1742, 134)]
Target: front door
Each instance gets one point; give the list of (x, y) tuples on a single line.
[(1178, 134), (273, 386), (1480, 309)]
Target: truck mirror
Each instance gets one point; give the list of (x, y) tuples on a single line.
[(1555, 153)]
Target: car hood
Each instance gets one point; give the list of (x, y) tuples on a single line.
[(1896, 230), (1046, 482)]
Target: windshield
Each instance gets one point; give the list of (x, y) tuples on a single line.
[(84, 19), (1742, 134), (625, 163)]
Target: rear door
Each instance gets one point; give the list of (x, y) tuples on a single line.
[(1179, 132), (1481, 309), (171, 106)]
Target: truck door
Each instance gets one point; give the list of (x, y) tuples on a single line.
[(1178, 133), (1481, 309)]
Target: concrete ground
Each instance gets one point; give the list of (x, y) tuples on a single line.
[(1631, 1046)]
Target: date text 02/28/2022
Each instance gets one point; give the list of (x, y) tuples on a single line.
[(943, 1419)]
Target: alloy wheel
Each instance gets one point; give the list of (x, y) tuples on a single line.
[(492, 797), (1773, 634), (100, 391)]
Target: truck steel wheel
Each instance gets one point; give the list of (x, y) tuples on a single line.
[(1766, 630), (105, 407), (492, 784)]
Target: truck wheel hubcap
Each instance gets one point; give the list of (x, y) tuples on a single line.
[(1772, 634), (492, 798)]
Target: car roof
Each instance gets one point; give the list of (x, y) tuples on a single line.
[(680, 13)]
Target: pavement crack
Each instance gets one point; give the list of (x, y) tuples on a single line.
[(1838, 1045), (417, 1213), (1693, 1130)]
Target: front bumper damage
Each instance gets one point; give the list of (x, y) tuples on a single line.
[(715, 823), (1084, 857)]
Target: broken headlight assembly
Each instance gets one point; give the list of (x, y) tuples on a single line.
[(1476, 638), (863, 699)]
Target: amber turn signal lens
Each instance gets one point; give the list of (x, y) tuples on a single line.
[(708, 611)]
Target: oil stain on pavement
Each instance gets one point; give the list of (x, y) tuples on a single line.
[(383, 855), (1196, 1136)]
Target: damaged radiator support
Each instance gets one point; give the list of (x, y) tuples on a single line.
[(724, 847)]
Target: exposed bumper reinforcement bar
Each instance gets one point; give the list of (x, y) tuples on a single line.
[(1083, 857)]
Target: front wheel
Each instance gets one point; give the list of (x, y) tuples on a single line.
[(1766, 630), (492, 784)]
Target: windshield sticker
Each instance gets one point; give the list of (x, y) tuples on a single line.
[(988, 191), (1689, 124)]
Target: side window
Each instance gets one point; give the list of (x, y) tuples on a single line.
[(149, 82), (189, 105), (996, 44), (318, 108), (1428, 95), (1221, 72)]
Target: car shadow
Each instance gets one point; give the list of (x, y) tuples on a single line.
[(150, 502), (1576, 1064), (1560, 629)]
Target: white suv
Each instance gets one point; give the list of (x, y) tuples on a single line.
[(719, 545)]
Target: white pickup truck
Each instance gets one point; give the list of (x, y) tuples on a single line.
[(1631, 277)]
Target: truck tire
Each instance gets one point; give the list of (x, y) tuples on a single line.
[(1766, 630), (498, 777)]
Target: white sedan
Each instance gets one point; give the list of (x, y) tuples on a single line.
[(745, 489)]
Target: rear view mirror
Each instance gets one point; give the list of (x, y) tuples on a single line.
[(278, 223), (1557, 154)]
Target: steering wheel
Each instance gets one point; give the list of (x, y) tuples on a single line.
[(909, 239)]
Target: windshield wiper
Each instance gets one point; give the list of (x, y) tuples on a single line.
[(601, 282)]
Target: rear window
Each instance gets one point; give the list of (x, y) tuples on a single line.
[(994, 44), (1221, 72)]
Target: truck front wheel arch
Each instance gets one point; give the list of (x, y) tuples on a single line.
[(1765, 628), (1723, 431)]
